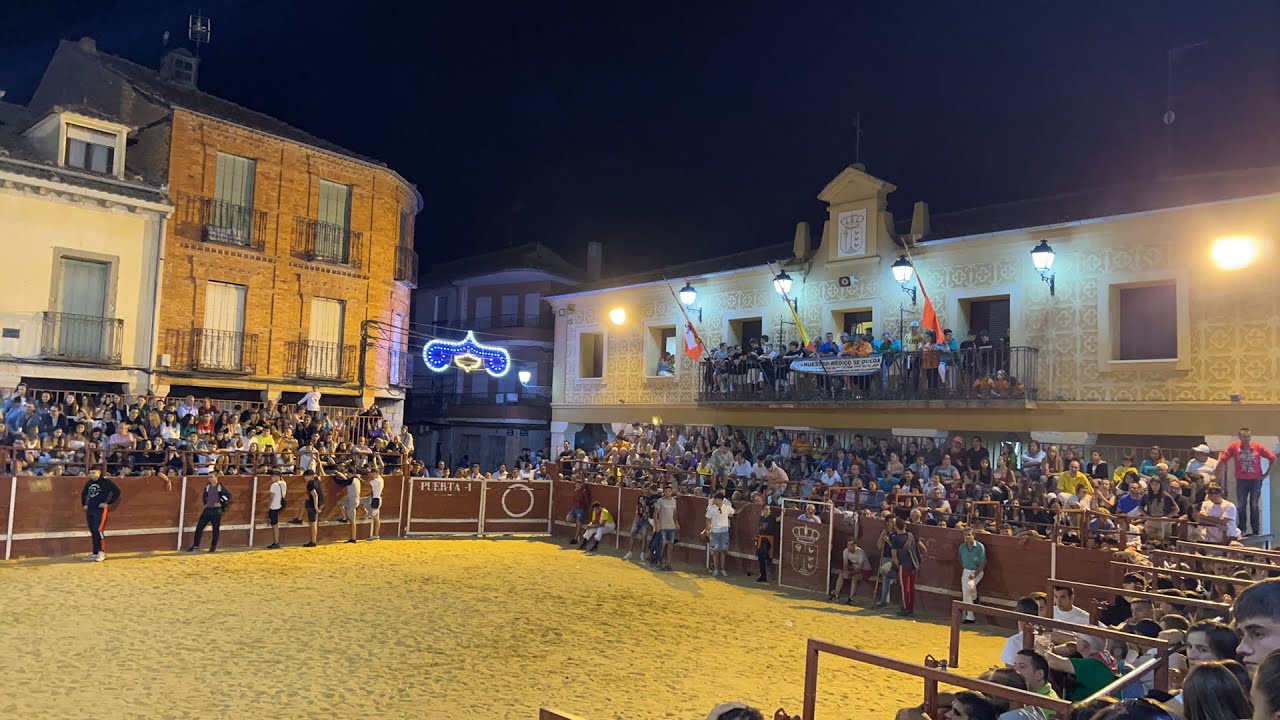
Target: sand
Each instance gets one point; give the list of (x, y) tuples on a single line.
[(431, 629)]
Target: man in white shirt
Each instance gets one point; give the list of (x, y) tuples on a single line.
[(375, 482), (278, 488), (1203, 463), (742, 470), (311, 402), (830, 477), (855, 567), (1220, 515), (718, 513), (1014, 644), (1064, 609)]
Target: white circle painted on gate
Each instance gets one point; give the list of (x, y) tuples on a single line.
[(528, 491)]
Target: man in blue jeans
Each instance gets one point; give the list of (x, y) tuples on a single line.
[(666, 525), (718, 514), (1247, 456)]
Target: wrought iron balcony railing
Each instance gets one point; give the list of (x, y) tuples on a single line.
[(205, 350), (407, 266), (401, 372), (81, 338), (327, 242), (226, 223), (316, 360)]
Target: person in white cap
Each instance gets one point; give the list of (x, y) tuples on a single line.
[(1203, 463)]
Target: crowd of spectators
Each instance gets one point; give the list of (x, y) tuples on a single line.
[(1033, 490), (925, 365), (47, 433)]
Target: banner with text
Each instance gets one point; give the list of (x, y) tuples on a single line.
[(838, 366)]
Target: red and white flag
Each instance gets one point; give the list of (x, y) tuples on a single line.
[(692, 343)]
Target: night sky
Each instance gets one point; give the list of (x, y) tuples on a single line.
[(674, 131)]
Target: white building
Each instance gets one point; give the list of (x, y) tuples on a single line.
[(82, 240)]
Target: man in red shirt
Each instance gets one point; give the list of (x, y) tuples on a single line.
[(1248, 456)]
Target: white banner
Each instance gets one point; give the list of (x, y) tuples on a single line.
[(838, 366)]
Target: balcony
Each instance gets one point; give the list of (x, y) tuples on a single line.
[(316, 360), (327, 242), (540, 321), (401, 368), (224, 223), (523, 397), (81, 338), (407, 266), (983, 376), (205, 350)]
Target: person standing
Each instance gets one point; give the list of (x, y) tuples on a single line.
[(311, 402), (666, 525), (276, 504), (96, 497), (766, 541), (581, 507), (973, 562), (641, 527), (216, 499), (376, 483), (1248, 456), (351, 503), (718, 514), (315, 501), (908, 552)]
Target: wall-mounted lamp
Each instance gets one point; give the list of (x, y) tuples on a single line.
[(525, 376), (688, 296), (617, 316), (782, 284), (1042, 257), (903, 271)]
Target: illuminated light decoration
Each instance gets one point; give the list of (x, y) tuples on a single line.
[(617, 316), (468, 355), (1235, 252)]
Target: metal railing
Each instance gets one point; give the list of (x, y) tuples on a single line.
[(407, 266), (327, 242), (320, 360), (81, 338), (499, 398), (226, 223), (487, 322), (203, 349), (400, 372), (984, 375)]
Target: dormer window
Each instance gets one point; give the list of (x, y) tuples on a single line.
[(90, 149)]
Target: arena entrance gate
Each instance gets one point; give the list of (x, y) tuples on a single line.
[(462, 506)]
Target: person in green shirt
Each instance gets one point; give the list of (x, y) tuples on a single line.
[(1034, 669), (973, 561), (1093, 670)]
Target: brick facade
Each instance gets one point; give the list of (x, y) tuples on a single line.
[(280, 281)]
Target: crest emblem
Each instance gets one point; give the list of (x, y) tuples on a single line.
[(804, 549)]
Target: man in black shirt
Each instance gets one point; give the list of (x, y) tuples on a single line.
[(315, 501), (566, 462), (766, 541), (216, 498), (96, 497), (976, 453)]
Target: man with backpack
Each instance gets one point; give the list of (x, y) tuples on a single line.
[(216, 500), (277, 503)]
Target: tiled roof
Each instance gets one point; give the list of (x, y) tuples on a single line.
[(1122, 199), (529, 256)]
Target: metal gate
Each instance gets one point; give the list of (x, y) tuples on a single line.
[(461, 506)]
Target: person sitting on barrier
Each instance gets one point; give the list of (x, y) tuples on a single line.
[(854, 569), (601, 524), (1092, 671)]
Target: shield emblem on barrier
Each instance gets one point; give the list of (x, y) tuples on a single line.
[(804, 549)]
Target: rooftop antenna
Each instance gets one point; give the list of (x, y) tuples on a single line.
[(857, 142), (199, 30)]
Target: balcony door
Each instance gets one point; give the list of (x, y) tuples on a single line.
[(222, 340), (397, 348), (324, 338), (335, 221), (232, 212), (82, 308)]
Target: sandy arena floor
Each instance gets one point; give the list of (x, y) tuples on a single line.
[(459, 629)]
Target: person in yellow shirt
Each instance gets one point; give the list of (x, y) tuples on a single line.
[(601, 524), (1072, 477), (1125, 467)]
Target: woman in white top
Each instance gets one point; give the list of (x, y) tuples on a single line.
[(1033, 459)]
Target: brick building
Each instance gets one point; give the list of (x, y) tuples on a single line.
[(499, 296), (288, 261)]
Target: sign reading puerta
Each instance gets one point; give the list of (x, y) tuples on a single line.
[(477, 507)]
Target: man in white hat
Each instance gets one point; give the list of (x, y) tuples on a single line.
[(1203, 463)]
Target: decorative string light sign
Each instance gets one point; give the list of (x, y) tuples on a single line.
[(468, 355)]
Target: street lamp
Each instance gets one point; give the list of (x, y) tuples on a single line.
[(903, 271), (688, 296), (1042, 257), (782, 283), (525, 377)]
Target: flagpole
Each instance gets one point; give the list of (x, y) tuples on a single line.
[(685, 313)]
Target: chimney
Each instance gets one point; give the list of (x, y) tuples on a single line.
[(802, 245), (920, 220), (179, 67), (595, 253), (88, 45)]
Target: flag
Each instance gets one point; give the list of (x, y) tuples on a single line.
[(929, 319), (804, 336), (693, 343)]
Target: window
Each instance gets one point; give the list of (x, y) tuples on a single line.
[(532, 309), (222, 339), (660, 340), (231, 213), (333, 231), (858, 321), (1146, 322), (990, 314), (743, 329), (406, 229), (591, 356), (323, 354), (509, 306), (82, 308), (484, 313), (440, 314), (90, 149)]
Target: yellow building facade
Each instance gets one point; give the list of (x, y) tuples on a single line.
[(1116, 253)]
